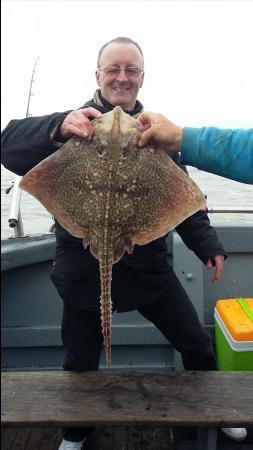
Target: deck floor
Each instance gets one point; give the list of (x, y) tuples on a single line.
[(120, 438)]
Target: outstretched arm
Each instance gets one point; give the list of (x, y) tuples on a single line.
[(28, 141), (224, 152)]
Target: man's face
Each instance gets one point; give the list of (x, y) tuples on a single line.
[(120, 89)]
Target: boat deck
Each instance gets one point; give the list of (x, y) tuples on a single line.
[(120, 438)]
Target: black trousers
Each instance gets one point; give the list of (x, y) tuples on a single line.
[(174, 315)]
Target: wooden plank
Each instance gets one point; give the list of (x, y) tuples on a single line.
[(106, 438), (134, 438), (35, 438), (8, 437), (120, 439), (21, 439), (152, 439), (30, 438), (58, 440), (156, 439), (93, 441), (47, 441), (127, 397)]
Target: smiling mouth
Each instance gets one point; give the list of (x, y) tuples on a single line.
[(119, 89)]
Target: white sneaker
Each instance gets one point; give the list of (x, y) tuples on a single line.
[(69, 445), (237, 434)]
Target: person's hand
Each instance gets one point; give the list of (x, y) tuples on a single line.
[(77, 123), (161, 130), (218, 262)]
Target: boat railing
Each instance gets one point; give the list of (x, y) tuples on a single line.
[(15, 218)]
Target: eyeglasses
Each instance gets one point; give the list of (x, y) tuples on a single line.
[(116, 71)]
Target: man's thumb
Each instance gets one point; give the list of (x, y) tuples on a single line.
[(145, 137)]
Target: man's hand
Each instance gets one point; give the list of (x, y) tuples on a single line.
[(218, 262), (77, 123), (161, 130)]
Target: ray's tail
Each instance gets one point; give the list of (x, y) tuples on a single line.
[(106, 259), (105, 263)]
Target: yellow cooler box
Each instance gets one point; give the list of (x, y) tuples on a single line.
[(233, 319)]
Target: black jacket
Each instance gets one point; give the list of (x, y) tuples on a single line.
[(139, 278)]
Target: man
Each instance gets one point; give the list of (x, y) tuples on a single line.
[(144, 280), (224, 152)]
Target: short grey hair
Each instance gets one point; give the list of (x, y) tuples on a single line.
[(120, 40)]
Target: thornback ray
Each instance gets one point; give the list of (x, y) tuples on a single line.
[(113, 195)]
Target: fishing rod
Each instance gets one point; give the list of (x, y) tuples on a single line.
[(15, 219), (30, 90)]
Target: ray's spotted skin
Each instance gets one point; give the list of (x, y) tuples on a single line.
[(114, 195)]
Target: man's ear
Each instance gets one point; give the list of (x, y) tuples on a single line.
[(98, 78), (142, 80)]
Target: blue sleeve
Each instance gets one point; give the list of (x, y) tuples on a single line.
[(224, 152)]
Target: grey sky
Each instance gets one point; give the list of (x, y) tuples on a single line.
[(198, 56)]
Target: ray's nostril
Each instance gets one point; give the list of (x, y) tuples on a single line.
[(101, 150)]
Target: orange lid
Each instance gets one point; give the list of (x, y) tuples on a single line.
[(238, 322)]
